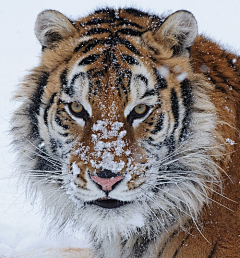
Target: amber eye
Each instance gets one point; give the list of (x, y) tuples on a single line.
[(140, 109), (78, 110), (138, 112), (76, 107)]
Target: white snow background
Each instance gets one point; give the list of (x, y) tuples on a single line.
[(20, 223)]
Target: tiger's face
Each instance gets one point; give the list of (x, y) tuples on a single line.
[(118, 141)]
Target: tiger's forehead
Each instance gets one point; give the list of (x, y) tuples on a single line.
[(107, 78), (119, 19)]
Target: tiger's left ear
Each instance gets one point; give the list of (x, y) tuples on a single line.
[(52, 26), (178, 32)]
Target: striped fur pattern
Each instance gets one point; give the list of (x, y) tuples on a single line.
[(117, 95)]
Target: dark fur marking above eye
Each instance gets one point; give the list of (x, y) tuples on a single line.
[(149, 93), (130, 60), (89, 60), (143, 78), (70, 90)]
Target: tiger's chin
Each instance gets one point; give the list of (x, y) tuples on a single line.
[(111, 218)]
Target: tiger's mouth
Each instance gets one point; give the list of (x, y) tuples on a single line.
[(108, 203)]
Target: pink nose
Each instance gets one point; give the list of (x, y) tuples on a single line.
[(106, 183)]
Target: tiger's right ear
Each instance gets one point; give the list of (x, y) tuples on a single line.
[(52, 26), (178, 32)]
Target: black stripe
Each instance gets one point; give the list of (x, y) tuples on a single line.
[(89, 60), (150, 141), (122, 21), (141, 245), (109, 11), (159, 125), (60, 123), (97, 21), (170, 143), (120, 84), (161, 82), (70, 90), (34, 109), (128, 45), (175, 107), (149, 93), (129, 59), (113, 61), (186, 89), (96, 74), (165, 244), (64, 134), (130, 32), (92, 44), (70, 141), (179, 248), (125, 22), (142, 78), (37, 97), (63, 79), (45, 163), (80, 46), (55, 145), (97, 31), (45, 117), (213, 251)]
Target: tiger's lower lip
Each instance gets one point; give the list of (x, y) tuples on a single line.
[(108, 203)]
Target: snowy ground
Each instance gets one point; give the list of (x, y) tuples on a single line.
[(20, 223)]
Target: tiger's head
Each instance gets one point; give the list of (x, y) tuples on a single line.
[(116, 132)]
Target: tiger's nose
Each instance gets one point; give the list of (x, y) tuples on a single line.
[(107, 179)]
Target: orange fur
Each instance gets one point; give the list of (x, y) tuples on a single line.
[(218, 234)]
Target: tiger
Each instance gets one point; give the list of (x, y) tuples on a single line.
[(129, 130)]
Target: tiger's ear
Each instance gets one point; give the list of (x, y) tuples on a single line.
[(178, 32), (52, 26)]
